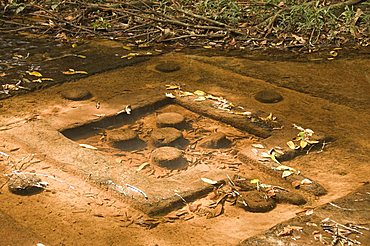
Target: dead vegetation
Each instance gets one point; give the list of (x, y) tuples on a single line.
[(211, 24)]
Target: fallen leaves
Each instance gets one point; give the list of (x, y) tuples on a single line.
[(170, 95), (73, 72), (303, 138), (131, 55)]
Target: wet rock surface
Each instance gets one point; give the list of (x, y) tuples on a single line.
[(268, 96), (215, 141), (256, 201), (76, 94), (171, 119), (166, 136), (167, 67), (168, 157), (25, 184)]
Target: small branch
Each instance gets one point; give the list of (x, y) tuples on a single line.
[(200, 17), (194, 35)]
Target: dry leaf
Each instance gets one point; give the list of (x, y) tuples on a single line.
[(172, 87), (72, 72), (126, 47), (130, 55), (209, 181), (258, 146), (142, 166), (199, 93), (288, 230), (185, 94), (170, 95), (284, 168), (246, 113), (306, 181), (291, 145), (333, 53), (303, 144), (128, 109), (35, 73), (286, 174), (216, 211), (265, 155), (88, 146), (309, 212)]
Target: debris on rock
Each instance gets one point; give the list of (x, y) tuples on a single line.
[(25, 184)]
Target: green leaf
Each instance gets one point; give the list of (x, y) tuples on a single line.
[(254, 181), (303, 144), (273, 157)]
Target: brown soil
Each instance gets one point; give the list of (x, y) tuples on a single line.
[(329, 97)]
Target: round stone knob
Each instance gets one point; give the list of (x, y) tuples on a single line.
[(166, 136), (175, 120), (125, 139), (168, 157), (255, 201)]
